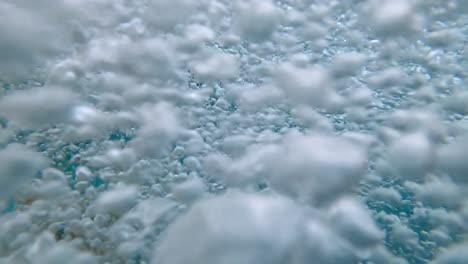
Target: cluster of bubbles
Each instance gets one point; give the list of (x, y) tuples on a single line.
[(233, 132)]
